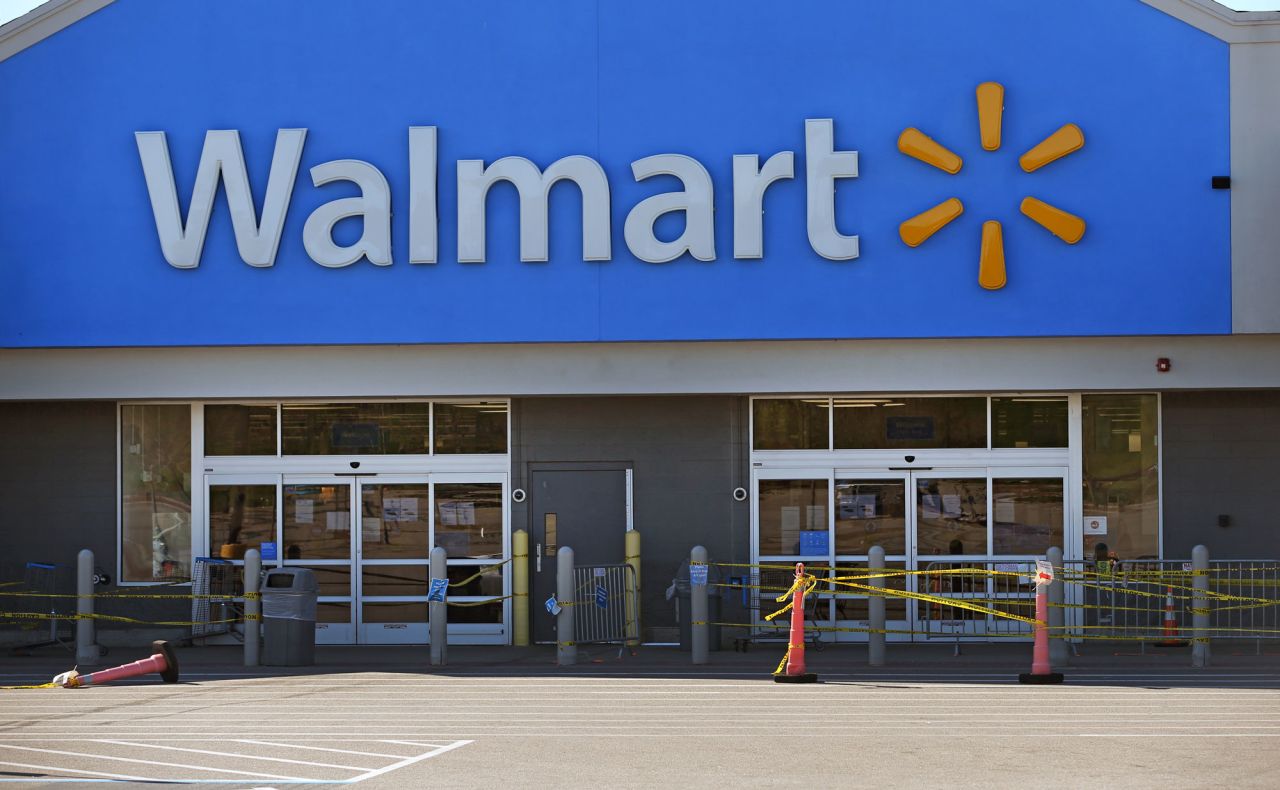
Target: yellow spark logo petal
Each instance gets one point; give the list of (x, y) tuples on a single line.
[(991, 263)]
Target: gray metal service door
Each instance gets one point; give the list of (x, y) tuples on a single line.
[(585, 509)]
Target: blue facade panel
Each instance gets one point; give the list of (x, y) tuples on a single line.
[(82, 265)]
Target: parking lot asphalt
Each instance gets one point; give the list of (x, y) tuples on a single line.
[(511, 718)]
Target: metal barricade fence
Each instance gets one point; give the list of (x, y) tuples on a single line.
[(1249, 579), (1000, 591), (1132, 595), (600, 596)]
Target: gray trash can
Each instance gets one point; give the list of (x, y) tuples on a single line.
[(289, 617), (684, 606)]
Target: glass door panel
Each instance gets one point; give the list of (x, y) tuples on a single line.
[(870, 510), (394, 557), (1029, 514), (317, 533), (470, 524), (951, 515)]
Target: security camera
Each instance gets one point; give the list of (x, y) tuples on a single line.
[(910, 458), (355, 464)]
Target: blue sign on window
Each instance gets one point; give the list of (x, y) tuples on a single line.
[(815, 542), (268, 551)]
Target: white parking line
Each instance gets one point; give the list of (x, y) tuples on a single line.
[(322, 748), (237, 755), (410, 761), (254, 774)]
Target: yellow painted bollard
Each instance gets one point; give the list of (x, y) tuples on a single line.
[(633, 599), (520, 587)]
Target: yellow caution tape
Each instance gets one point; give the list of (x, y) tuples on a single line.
[(479, 603), (478, 574)]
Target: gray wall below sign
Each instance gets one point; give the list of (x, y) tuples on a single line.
[(58, 496), (687, 456), (1222, 457)]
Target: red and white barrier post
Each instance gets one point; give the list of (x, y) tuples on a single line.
[(163, 660), (795, 669), (1041, 673)]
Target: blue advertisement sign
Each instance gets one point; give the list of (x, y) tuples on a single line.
[(757, 175), (268, 551), (815, 543)]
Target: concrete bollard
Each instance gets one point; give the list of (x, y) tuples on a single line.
[(252, 607), (632, 548), (438, 613), (566, 647), (1200, 604), (86, 645), (875, 605), (699, 609), (520, 588), (1058, 648)]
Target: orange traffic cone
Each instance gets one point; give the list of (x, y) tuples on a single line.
[(163, 660), (795, 670), (1171, 624)]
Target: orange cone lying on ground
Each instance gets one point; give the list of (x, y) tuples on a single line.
[(162, 660)]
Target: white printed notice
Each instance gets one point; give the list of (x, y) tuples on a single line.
[(790, 529), (371, 529), (337, 522), (1095, 525), (304, 511), (951, 505)]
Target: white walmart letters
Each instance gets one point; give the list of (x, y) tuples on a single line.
[(223, 159)]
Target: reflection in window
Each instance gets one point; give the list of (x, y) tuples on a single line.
[(241, 517), (951, 516), (791, 424), (910, 423), (1029, 422), (469, 519), (317, 522), (394, 521), (1028, 515), (869, 513), (235, 429), (355, 428), (155, 495), (1121, 475), (471, 427), (793, 518)]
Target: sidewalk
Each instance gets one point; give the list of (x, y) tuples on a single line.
[(905, 659)]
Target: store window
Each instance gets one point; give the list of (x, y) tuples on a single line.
[(471, 427), (155, 493), (1029, 422), (910, 423), (791, 424), (355, 428), (238, 429), (1121, 476), (793, 518)]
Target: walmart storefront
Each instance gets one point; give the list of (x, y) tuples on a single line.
[(963, 280)]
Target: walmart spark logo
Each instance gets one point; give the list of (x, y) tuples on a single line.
[(991, 268)]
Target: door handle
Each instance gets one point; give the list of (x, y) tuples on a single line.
[(538, 559)]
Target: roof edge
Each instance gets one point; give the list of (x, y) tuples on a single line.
[(43, 21), (1233, 27), (1210, 16)]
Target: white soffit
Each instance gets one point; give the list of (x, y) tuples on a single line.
[(43, 21), (1234, 27)]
